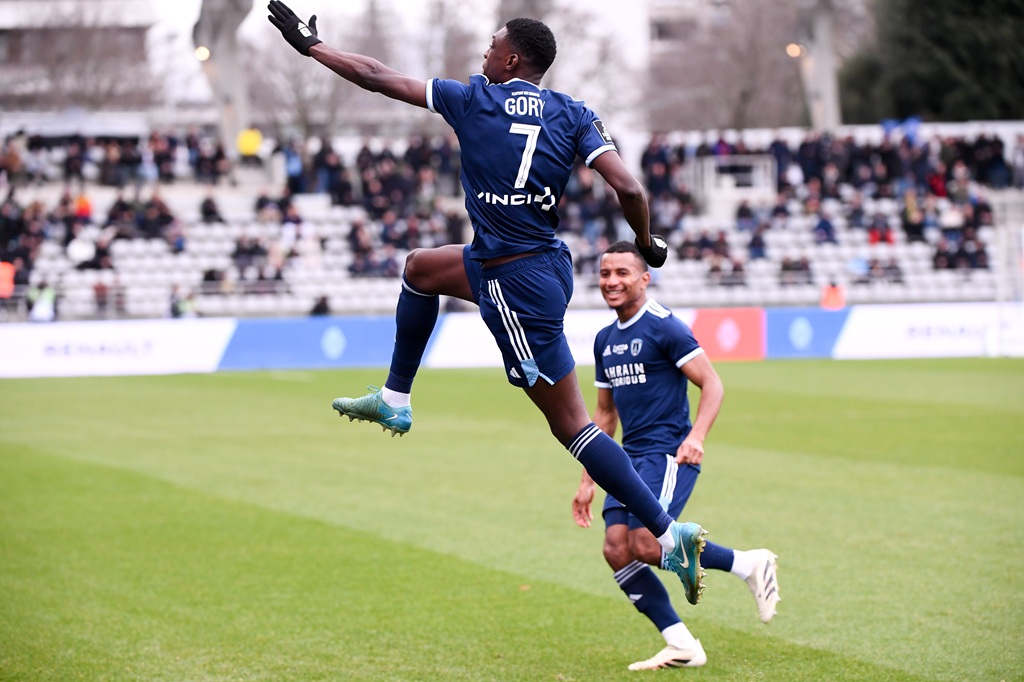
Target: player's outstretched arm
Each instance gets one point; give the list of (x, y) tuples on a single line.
[(366, 72), (370, 74)]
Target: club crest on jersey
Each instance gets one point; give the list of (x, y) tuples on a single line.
[(635, 345), (603, 131)]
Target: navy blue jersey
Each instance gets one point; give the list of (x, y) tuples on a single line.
[(641, 362), (519, 143)]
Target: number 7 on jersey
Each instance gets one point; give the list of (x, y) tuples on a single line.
[(532, 132)]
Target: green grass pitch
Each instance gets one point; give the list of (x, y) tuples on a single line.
[(231, 527)]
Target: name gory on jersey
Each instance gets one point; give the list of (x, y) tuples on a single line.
[(545, 201), (525, 104), (623, 375)]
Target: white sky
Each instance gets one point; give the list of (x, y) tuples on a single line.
[(628, 26), (177, 17), (181, 15)]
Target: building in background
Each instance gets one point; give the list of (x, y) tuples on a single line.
[(56, 54)]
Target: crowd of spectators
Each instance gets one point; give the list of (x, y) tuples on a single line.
[(409, 200), (84, 234), (130, 161), (937, 186), (403, 197)]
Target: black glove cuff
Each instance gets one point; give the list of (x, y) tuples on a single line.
[(303, 39), (656, 254)]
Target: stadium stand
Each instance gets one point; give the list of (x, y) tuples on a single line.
[(121, 229)]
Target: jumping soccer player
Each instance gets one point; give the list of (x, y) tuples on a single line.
[(644, 363), (518, 144)]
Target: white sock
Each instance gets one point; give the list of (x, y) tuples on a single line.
[(667, 542), (678, 636), (394, 398), (742, 564)]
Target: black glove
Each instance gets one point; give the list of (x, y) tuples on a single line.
[(655, 254), (298, 34)]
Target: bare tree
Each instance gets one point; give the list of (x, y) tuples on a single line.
[(217, 32), (452, 46), (854, 24), (80, 54), (290, 94), (452, 49), (287, 90), (591, 66), (534, 9)]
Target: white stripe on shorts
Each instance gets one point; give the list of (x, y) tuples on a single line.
[(668, 485), (516, 333)]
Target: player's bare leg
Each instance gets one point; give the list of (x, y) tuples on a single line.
[(439, 272), (429, 273), (609, 466)]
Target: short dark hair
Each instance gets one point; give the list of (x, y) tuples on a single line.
[(533, 40), (627, 247)]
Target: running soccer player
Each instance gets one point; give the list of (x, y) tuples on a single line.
[(644, 362), (519, 142)]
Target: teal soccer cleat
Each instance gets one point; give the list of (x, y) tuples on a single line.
[(684, 559), (372, 408)]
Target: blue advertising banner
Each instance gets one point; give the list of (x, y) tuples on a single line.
[(803, 332), (310, 343)]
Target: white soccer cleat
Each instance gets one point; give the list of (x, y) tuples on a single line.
[(672, 657), (764, 584)]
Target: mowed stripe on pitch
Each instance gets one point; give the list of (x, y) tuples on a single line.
[(109, 574)]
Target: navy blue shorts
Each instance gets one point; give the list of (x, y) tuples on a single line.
[(671, 482), (523, 303), (472, 273)]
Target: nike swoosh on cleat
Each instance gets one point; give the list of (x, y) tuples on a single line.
[(394, 416), (686, 560)]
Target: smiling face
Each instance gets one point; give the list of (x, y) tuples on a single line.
[(623, 281), (499, 58)]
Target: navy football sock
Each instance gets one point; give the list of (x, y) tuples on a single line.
[(716, 557), (609, 466), (415, 317), (648, 594)]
